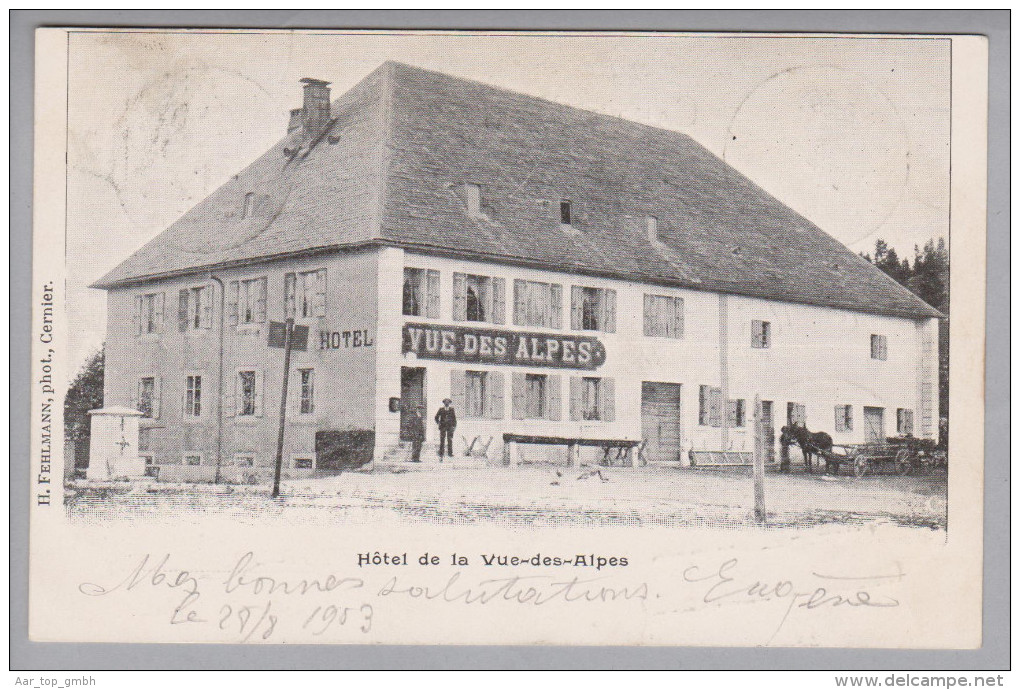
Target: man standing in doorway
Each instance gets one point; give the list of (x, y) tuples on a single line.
[(417, 427), (446, 418)]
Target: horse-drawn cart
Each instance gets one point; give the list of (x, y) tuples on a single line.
[(867, 458)]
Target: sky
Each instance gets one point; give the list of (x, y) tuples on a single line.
[(853, 133)]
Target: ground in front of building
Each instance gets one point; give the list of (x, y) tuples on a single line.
[(533, 496)]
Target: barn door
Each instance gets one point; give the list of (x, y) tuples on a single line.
[(874, 429), (768, 431), (660, 420)]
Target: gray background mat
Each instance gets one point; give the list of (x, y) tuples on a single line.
[(993, 655)]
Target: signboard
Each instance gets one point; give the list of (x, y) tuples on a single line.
[(491, 346), (278, 336)]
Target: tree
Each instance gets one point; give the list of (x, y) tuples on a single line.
[(84, 394)]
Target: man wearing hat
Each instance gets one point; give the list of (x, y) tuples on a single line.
[(446, 418)]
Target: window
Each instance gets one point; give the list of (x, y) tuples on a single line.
[(147, 396), (536, 403), (307, 404), (244, 460), (878, 347), (736, 413), (478, 298), (796, 413), (475, 393), (247, 397), (538, 304), (652, 228), (709, 406), (194, 308), (192, 396), (592, 399), (421, 293), (149, 313), (844, 418), (304, 294), (248, 301), (592, 309), (564, 212), (664, 316), (249, 205), (904, 422), (302, 462), (473, 197), (761, 335), (193, 459)]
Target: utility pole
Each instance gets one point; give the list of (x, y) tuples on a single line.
[(758, 459), (287, 344)]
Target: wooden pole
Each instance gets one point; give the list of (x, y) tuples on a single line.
[(759, 464), (287, 340)]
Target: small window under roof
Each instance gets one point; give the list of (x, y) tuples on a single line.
[(473, 198), (249, 204), (652, 227), (564, 212)]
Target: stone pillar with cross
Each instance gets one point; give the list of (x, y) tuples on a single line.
[(113, 446)]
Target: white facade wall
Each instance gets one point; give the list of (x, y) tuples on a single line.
[(819, 357)]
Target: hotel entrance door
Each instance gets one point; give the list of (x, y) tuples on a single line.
[(412, 393)]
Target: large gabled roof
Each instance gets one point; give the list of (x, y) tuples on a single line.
[(405, 141)]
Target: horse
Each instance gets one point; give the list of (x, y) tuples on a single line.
[(810, 443)]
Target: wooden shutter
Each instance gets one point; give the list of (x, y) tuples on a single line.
[(182, 309), (260, 390), (840, 418), (458, 393), (554, 397), (576, 397), (715, 407), (494, 379), (608, 311), (289, 295), (520, 302), (159, 312), (607, 399), (519, 394), (235, 291), (576, 302), (703, 405), (908, 422), (157, 394), (320, 292), (136, 315), (260, 306), (649, 327), (883, 347), (459, 297), (731, 413), (206, 298), (555, 305), (432, 294), (498, 310), (678, 317)]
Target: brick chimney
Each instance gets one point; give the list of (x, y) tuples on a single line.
[(315, 113)]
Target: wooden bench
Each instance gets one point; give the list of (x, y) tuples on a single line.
[(624, 447)]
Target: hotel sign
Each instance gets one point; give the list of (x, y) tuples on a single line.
[(490, 346)]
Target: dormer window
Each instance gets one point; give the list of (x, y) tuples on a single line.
[(473, 198), (652, 228), (249, 205), (564, 212)]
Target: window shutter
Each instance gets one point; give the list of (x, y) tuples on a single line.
[(320, 292), (459, 297), (883, 344), (182, 309), (159, 312), (157, 394), (649, 327), (766, 334), (555, 305), (731, 413), (554, 406), (609, 311), (235, 290), (260, 397), (607, 399), (520, 302), (260, 314), (289, 295), (715, 406), (458, 387), (908, 422), (136, 316), (840, 418), (576, 300), (432, 294), (576, 393), (702, 405), (495, 390), (802, 414), (498, 311), (849, 424), (518, 393), (206, 296), (678, 317)]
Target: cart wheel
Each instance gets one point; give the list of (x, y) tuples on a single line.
[(861, 465), (904, 463)]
